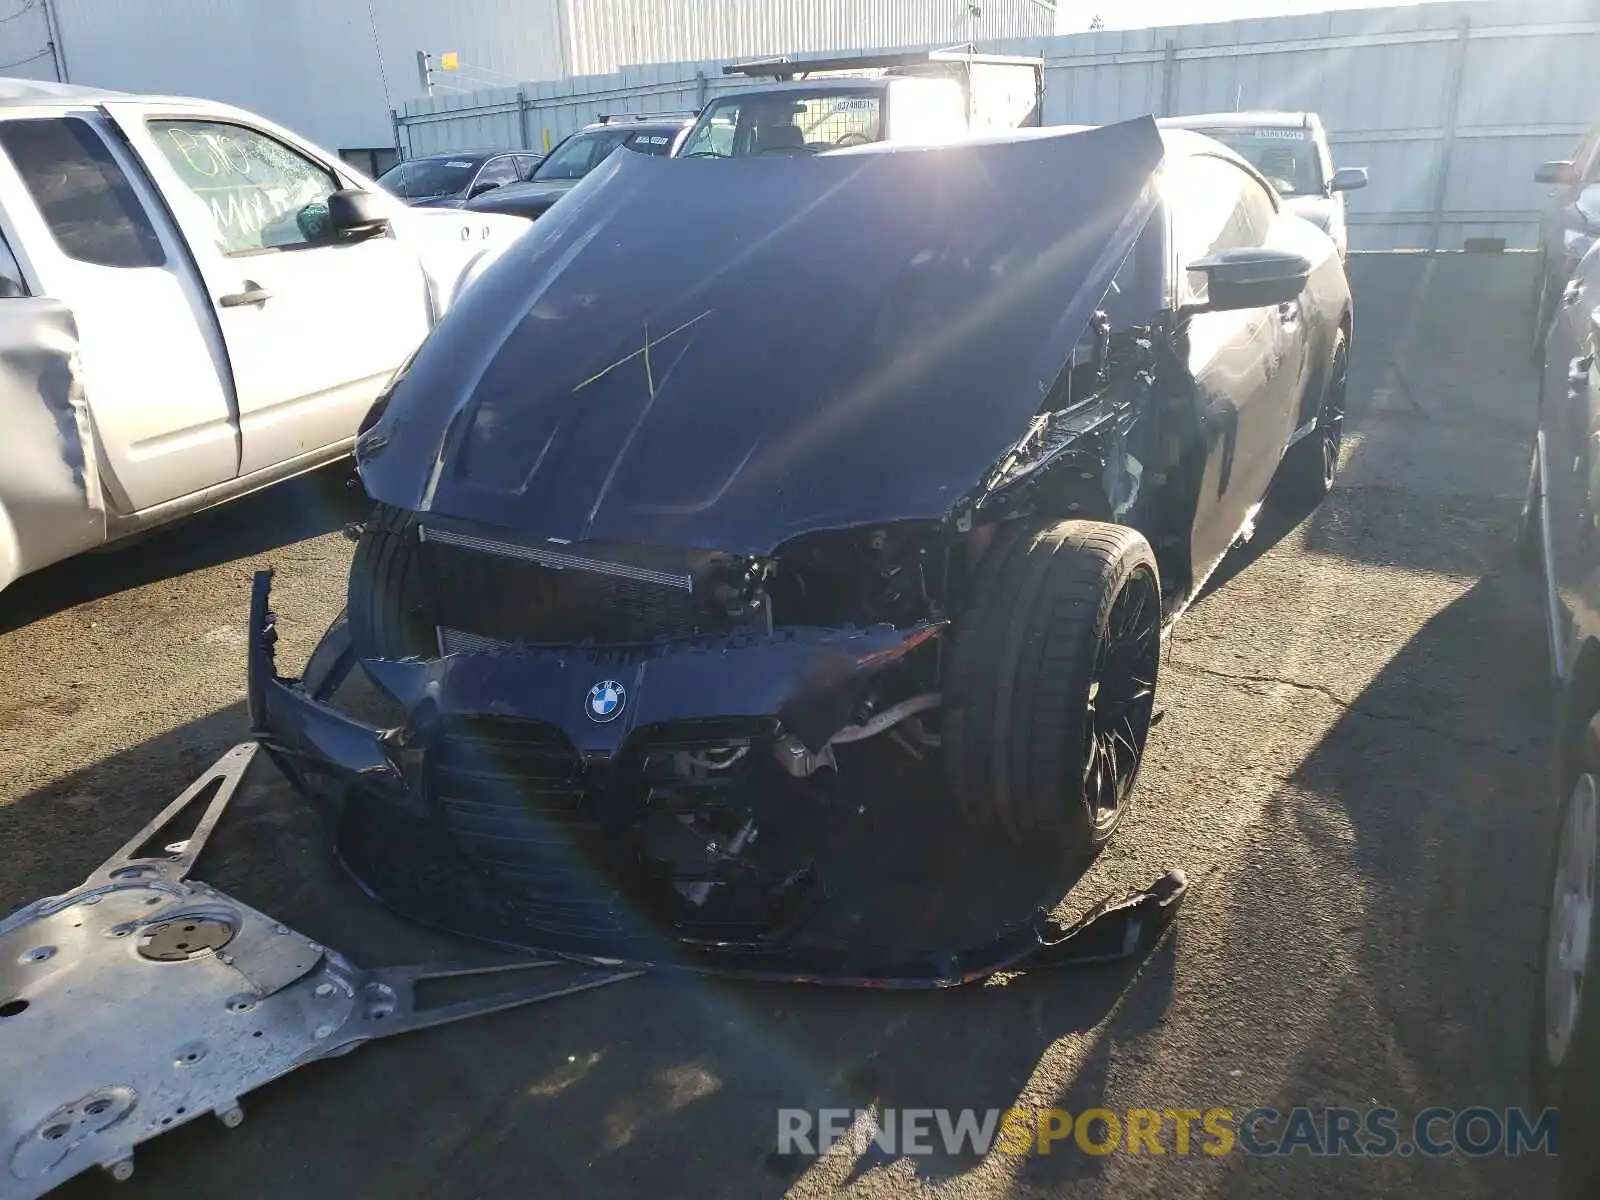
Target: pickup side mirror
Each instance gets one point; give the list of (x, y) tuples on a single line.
[(1250, 277), (1556, 172), (354, 215), (1349, 179)]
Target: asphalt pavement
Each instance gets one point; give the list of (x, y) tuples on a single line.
[(1348, 769)]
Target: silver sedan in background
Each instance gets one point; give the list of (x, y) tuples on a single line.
[(1291, 150)]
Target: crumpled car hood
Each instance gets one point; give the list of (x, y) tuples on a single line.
[(723, 355)]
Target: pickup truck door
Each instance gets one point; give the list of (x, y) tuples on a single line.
[(314, 327), (95, 236)]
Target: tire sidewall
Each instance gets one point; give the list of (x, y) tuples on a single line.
[(1096, 838), (1024, 660), (1573, 1087)]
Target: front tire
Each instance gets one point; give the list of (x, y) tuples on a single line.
[(1052, 683), (1310, 467)]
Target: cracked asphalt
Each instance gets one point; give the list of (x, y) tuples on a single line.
[(1348, 769)]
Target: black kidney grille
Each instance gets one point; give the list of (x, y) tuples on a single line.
[(512, 794), (513, 600)]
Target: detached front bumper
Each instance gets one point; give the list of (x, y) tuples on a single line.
[(398, 830)]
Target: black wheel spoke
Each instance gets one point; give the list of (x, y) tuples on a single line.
[(1123, 698)]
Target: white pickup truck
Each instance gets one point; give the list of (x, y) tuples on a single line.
[(823, 105), (194, 303)]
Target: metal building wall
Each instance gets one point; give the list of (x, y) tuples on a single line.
[(1451, 106), (607, 35), (312, 65), (309, 64)]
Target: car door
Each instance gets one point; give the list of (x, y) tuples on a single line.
[(154, 369), (1569, 422), (314, 326), (1235, 359)]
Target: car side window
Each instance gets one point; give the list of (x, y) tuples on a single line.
[(1587, 157), (1324, 159), (257, 192), (498, 171), (1215, 206), (82, 193), (527, 164)]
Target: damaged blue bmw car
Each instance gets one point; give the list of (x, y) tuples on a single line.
[(722, 476)]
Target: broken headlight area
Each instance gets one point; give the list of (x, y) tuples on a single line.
[(488, 594)]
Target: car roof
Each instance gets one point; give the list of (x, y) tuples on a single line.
[(36, 91), (651, 124), (832, 83), (1260, 119), (445, 155)]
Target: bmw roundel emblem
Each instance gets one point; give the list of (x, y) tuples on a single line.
[(606, 701)]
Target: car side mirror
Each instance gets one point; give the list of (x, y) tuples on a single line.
[(482, 186), (1349, 179), (1556, 172), (354, 215), (1250, 277)]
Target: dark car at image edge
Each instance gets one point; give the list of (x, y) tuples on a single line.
[(898, 455), (1569, 224), (1562, 539), (579, 153), (450, 180)]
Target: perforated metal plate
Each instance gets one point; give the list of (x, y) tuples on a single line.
[(142, 1000)]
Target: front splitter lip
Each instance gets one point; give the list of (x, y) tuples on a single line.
[(367, 782)]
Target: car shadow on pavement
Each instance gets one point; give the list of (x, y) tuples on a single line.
[(305, 507), (1440, 867)]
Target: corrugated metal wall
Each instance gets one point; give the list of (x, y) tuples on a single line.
[(606, 35), (309, 64), (312, 64), (1451, 106)]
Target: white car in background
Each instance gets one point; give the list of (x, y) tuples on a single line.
[(194, 303), (1291, 151)]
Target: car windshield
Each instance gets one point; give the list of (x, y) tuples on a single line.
[(579, 154), (425, 177), (786, 122), (1286, 157)]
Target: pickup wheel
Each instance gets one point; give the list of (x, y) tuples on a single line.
[(1052, 683), (1306, 475), (388, 604)]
